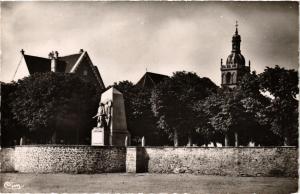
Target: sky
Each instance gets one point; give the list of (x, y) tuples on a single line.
[(126, 39)]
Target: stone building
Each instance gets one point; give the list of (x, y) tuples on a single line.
[(78, 63), (234, 69)]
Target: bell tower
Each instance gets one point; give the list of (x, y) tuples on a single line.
[(234, 68)]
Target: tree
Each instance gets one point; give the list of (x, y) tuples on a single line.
[(140, 119), (226, 114), (56, 106), (11, 130), (283, 110), (173, 104), (206, 109), (234, 113), (256, 106)]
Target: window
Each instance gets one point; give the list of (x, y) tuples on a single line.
[(85, 72), (228, 78)]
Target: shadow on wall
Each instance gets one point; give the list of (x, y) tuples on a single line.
[(142, 160)]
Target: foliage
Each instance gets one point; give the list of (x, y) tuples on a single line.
[(50, 104), (242, 110), (280, 82), (11, 130), (173, 103), (283, 110), (140, 119)]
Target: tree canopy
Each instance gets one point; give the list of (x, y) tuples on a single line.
[(140, 119), (54, 106), (173, 102), (283, 110)]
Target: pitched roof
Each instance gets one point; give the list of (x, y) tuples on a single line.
[(65, 64), (70, 61), (39, 64), (149, 80)]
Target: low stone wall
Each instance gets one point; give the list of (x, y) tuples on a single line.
[(69, 159), (228, 161), (7, 161), (243, 161)]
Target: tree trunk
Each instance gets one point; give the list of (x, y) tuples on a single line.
[(77, 136), (215, 143), (143, 141), (285, 141), (190, 141), (287, 138), (22, 140), (53, 138), (226, 140), (236, 139), (175, 138)]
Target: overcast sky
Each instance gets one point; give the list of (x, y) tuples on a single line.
[(125, 38)]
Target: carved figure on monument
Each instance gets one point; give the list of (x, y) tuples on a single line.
[(116, 117), (108, 107), (101, 116), (111, 121)]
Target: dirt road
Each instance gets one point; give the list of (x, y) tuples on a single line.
[(144, 183)]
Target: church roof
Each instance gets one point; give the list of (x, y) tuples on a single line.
[(235, 59), (150, 79), (39, 64)]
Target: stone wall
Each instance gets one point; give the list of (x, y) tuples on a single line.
[(243, 161), (229, 161), (69, 159), (7, 161)]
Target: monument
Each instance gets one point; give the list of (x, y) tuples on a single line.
[(111, 121)]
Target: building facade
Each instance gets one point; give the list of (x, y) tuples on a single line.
[(234, 69), (78, 63)]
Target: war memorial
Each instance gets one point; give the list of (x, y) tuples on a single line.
[(59, 119), (110, 147)]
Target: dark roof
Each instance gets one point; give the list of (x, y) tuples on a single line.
[(235, 59), (149, 80), (41, 65), (37, 64), (70, 61), (96, 70)]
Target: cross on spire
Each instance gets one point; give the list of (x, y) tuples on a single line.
[(236, 27)]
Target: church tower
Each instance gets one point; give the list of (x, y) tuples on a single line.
[(235, 68)]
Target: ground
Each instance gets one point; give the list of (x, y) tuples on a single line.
[(137, 183)]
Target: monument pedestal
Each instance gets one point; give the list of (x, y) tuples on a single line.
[(98, 136), (111, 114)]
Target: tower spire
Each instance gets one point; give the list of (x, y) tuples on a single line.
[(236, 27)]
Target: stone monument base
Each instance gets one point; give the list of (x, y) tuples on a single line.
[(98, 136)]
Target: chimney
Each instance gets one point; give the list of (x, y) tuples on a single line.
[(22, 52), (56, 55), (53, 61), (81, 51), (51, 55)]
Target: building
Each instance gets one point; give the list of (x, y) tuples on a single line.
[(233, 71), (149, 80), (78, 63)]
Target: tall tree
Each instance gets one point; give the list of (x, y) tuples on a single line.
[(140, 118), (173, 103), (283, 111), (11, 130), (55, 106)]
